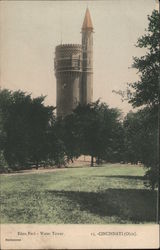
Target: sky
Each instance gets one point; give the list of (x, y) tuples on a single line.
[(30, 31)]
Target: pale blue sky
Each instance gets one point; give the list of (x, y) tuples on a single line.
[(30, 30)]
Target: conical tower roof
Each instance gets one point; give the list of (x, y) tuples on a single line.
[(87, 23)]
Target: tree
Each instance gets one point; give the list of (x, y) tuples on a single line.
[(56, 147), (39, 119), (145, 92), (24, 128), (3, 163), (141, 137), (93, 130), (67, 131)]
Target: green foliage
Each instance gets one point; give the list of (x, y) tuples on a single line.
[(68, 134), (93, 129), (141, 133), (56, 147), (26, 127), (145, 91), (142, 138), (152, 177), (3, 164)]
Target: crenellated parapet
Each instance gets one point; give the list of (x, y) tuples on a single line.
[(69, 45)]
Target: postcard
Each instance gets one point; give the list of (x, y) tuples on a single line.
[(79, 124)]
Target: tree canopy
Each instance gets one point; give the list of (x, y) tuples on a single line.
[(145, 90), (93, 129), (25, 128), (141, 128)]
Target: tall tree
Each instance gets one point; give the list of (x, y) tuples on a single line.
[(145, 92)]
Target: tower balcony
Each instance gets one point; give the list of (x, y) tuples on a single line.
[(68, 57), (68, 65)]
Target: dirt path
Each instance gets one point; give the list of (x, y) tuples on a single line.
[(82, 161), (36, 171)]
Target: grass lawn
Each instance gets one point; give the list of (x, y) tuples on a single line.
[(112, 193)]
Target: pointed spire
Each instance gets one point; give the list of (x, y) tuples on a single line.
[(87, 23)]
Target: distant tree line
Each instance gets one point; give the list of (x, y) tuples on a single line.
[(32, 136)]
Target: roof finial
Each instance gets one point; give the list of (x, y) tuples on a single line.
[(61, 25), (87, 23)]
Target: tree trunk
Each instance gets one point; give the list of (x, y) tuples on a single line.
[(59, 165), (98, 160), (153, 186), (36, 165), (92, 161)]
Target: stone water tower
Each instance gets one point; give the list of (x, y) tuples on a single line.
[(74, 71)]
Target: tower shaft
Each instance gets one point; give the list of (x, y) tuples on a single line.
[(68, 68), (86, 86)]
